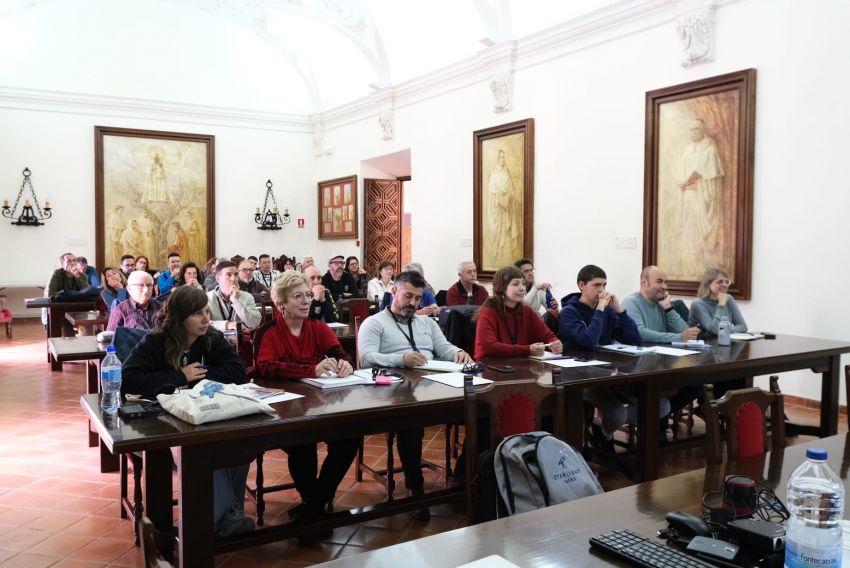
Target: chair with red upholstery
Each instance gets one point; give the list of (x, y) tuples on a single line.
[(743, 418), (514, 407), (356, 308)]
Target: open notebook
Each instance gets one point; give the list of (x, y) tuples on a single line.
[(358, 377)]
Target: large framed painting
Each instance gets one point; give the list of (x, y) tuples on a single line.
[(338, 208), (698, 180), (154, 195), (502, 195)]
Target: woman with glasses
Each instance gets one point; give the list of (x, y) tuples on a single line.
[(714, 302), (352, 266), (507, 327), (383, 283), (183, 349), (293, 346)]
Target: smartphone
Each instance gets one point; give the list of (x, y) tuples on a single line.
[(506, 369), (130, 411)]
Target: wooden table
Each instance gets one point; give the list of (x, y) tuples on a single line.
[(86, 348), (91, 321), (558, 535), (55, 316)]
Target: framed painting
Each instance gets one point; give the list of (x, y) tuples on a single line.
[(698, 181), (154, 195), (502, 195), (338, 208)]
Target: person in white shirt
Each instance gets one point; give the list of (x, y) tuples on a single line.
[(535, 292), (229, 305), (382, 283)]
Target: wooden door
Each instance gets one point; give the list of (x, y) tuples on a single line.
[(383, 224)]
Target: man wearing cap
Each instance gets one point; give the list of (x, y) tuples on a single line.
[(340, 283)]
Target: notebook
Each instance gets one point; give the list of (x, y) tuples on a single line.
[(358, 377), (442, 366)]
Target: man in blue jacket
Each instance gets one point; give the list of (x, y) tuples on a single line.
[(594, 317)]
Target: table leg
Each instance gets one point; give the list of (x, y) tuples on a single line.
[(54, 329), (156, 472), (575, 418), (195, 478), (647, 435), (109, 462), (91, 388), (829, 397)]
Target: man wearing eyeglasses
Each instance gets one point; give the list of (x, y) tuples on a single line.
[(340, 283), (397, 337), (228, 305), (250, 285), (323, 306), (167, 278), (140, 310)]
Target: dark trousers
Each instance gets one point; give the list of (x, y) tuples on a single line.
[(684, 396), (304, 464), (410, 452)]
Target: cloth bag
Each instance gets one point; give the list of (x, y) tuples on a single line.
[(210, 401)]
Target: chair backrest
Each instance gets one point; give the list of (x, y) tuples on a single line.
[(514, 407), (459, 326), (356, 327), (355, 307), (152, 542), (266, 311), (440, 297), (742, 415)]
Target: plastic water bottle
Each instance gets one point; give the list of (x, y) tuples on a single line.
[(724, 332), (110, 382), (816, 503), (549, 298)]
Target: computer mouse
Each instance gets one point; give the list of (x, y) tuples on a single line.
[(687, 525)]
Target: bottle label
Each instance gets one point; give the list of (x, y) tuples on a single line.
[(111, 375), (799, 555)]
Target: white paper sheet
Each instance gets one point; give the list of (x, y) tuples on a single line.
[(628, 349), (456, 379), (567, 363), (441, 366), (337, 324), (674, 351), (492, 561)]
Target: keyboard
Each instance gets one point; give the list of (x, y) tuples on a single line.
[(641, 551)]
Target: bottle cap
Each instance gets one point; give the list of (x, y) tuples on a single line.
[(816, 454), (110, 349)]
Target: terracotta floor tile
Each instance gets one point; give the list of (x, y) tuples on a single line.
[(22, 539), (27, 560), (96, 526), (131, 559), (314, 553), (237, 560), (60, 544), (55, 521), (71, 563), (376, 537), (103, 549)]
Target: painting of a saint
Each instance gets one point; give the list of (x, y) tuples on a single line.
[(151, 188), (502, 200)]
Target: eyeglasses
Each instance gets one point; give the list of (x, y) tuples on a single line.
[(336, 262), (299, 297), (143, 286), (473, 368), (246, 270)]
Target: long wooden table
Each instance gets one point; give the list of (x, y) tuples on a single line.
[(558, 535), (55, 316), (91, 321)]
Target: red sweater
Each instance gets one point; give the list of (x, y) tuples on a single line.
[(456, 294), (283, 356), (494, 331)]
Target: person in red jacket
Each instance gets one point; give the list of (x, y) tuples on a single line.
[(506, 326), (465, 290), (295, 347)]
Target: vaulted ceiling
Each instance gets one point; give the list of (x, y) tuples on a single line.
[(290, 56)]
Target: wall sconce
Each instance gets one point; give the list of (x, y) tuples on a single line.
[(28, 216), (270, 219)]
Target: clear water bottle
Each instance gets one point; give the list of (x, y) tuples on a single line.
[(724, 332), (816, 503), (110, 382)]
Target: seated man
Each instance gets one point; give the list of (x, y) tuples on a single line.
[(265, 273), (323, 306), (594, 317), (465, 290), (398, 338), (140, 310), (209, 277), (340, 284), (168, 277), (128, 264), (89, 271), (254, 262), (250, 285), (658, 322), (68, 277), (305, 262), (535, 292), (229, 306), (428, 305)]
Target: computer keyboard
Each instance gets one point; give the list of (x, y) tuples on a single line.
[(641, 551)]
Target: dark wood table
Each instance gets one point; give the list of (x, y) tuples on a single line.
[(558, 535), (91, 321), (86, 348), (55, 316)]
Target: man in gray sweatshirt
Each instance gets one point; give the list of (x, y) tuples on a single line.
[(651, 309)]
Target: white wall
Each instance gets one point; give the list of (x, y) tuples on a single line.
[(589, 113), (589, 119)]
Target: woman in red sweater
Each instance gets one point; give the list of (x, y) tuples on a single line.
[(294, 347), (506, 326)]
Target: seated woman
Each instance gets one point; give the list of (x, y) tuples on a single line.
[(293, 346), (189, 274), (352, 266), (714, 302), (383, 283), (181, 351), (507, 327), (114, 286), (142, 263)]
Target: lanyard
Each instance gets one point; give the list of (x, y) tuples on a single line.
[(270, 280), (226, 307), (409, 338)]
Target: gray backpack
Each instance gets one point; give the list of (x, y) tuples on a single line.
[(536, 469)]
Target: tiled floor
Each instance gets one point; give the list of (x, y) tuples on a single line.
[(56, 509)]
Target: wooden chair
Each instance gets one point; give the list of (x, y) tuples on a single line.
[(356, 307), (514, 407), (740, 417), (154, 542), (5, 315)]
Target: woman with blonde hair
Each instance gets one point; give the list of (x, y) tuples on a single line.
[(714, 302)]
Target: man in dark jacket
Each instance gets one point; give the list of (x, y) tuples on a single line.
[(340, 284)]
